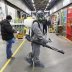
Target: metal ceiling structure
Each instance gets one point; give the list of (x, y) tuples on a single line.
[(52, 3), (41, 4), (29, 4)]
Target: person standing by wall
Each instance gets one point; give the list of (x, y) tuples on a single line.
[(7, 35)]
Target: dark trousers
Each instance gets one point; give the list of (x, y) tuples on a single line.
[(44, 29)]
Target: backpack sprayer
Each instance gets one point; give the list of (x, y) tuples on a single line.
[(44, 45)]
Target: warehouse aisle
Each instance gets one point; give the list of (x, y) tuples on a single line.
[(53, 61)]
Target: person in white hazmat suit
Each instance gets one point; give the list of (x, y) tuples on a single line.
[(37, 34)]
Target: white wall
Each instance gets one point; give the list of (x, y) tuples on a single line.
[(21, 5), (60, 5), (11, 11), (2, 10)]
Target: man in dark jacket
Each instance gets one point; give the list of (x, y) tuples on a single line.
[(7, 34)]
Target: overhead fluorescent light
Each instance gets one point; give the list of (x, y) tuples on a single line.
[(47, 6), (49, 0), (32, 1), (66, 2), (34, 8), (33, 5), (46, 11)]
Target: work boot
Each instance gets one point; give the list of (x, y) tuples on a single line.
[(29, 58), (12, 58), (39, 64)]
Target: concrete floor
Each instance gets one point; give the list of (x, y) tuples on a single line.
[(3, 58), (53, 61)]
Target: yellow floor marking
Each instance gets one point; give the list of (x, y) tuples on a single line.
[(6, 64), (18, 49), (59, 38), (67, 39)]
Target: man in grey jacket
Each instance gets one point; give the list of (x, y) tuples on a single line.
[(37, 35)]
